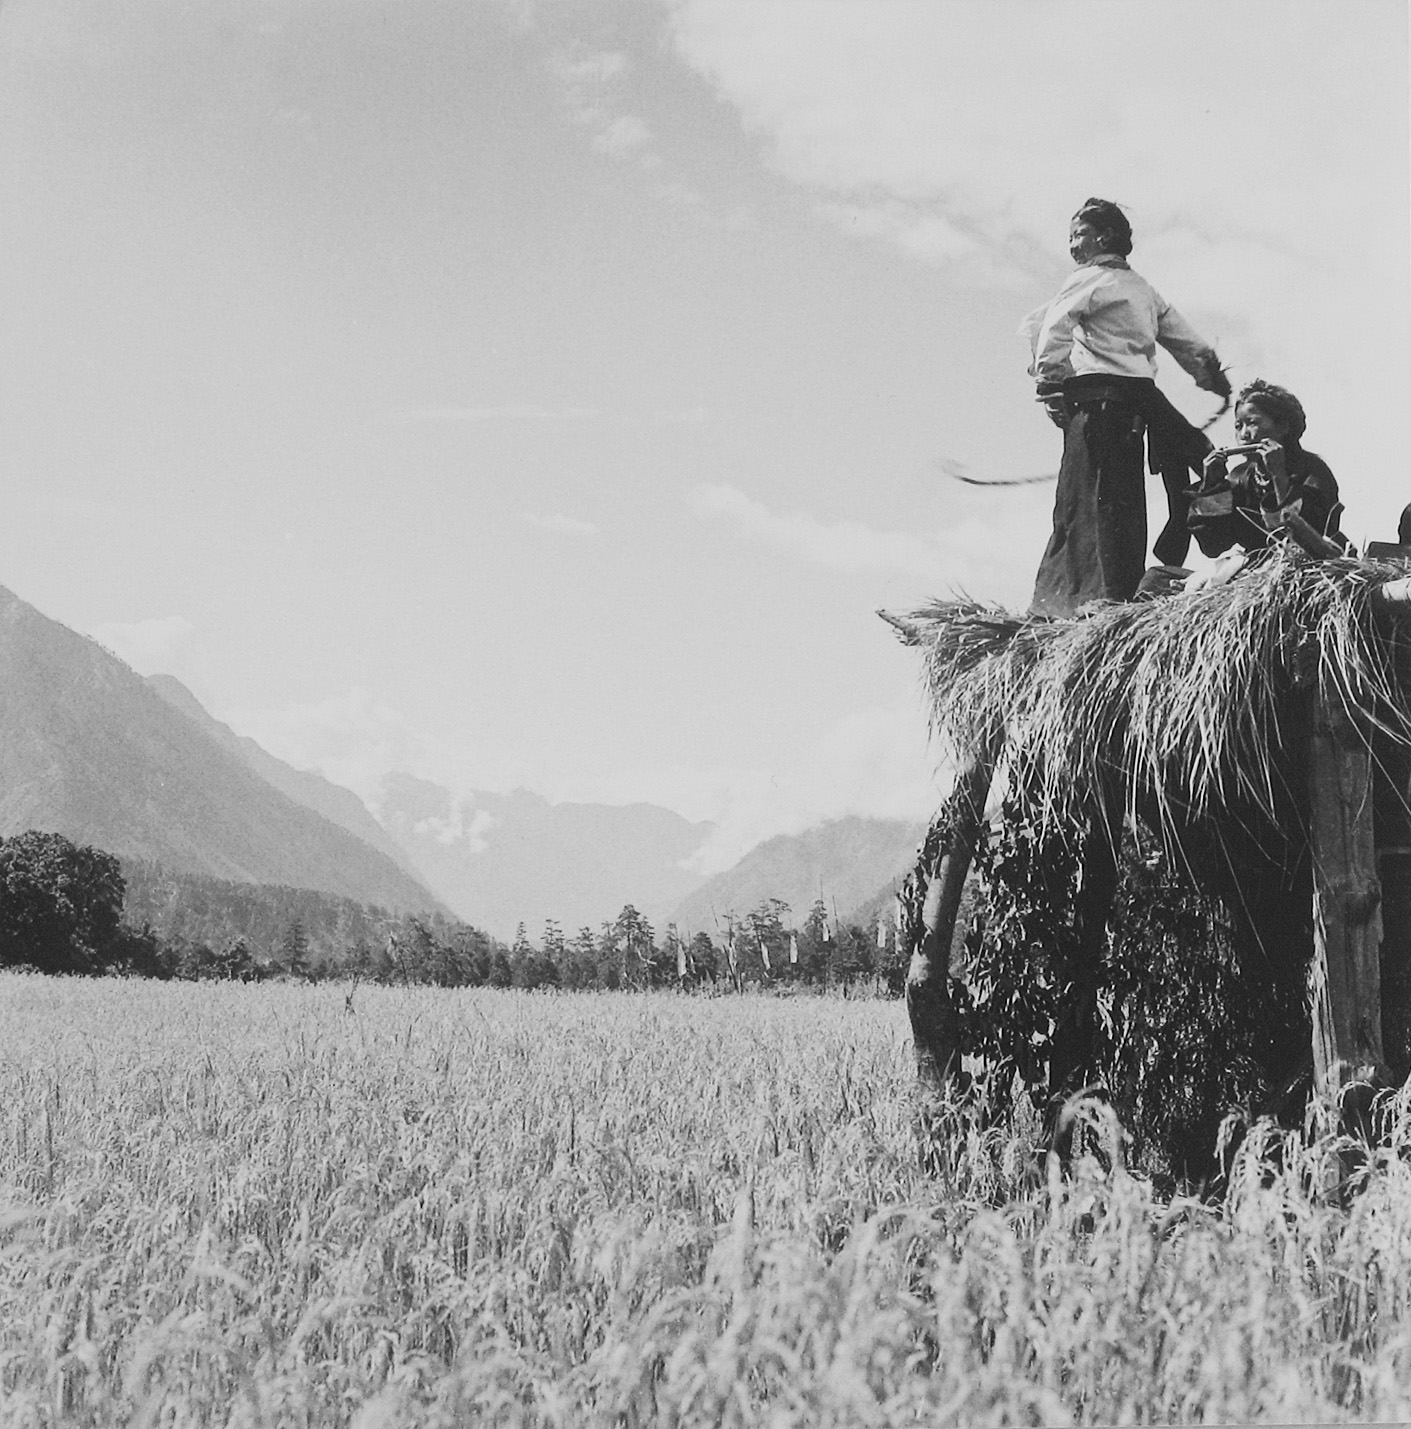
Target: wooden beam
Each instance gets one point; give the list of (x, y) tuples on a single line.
[(1345, 975), (934, 1030), (1314, 542)]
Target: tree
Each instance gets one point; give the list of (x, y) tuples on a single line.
[(767, 942), (523, 960), (295, 950), (60, 904), (555, 955), (636, 945), (702, 958), (501, 974), (236, 963), (583, 960), (816, 945)]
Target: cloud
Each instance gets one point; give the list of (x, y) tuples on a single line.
[(983, 119), (514, 412), (1274, 216), (151, 647), (682, 194), (562, 524), (872, 762), (621, 136), (357, 740), (465, 823), (952, 557), (588, 81), (589, 69)]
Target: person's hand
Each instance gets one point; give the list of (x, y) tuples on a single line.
[(1215, 379), (1215, 466), (1272, 455), (1051, 395), (1225, 569)]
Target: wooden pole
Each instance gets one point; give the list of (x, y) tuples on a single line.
[(1345, 975), (928, 1001)]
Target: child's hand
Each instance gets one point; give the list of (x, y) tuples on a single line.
[(1272, 455)]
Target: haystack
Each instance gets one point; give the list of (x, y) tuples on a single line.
[(1267, 719)]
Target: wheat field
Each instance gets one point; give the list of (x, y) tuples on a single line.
[(268, 1205)]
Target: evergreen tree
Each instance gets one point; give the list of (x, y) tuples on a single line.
[(583, 957), (294, 950), (704, 960)]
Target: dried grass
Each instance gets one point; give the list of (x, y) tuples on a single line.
[(245, 1206), (1181, 701)]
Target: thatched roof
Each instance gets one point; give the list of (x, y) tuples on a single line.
[(1181, 698)]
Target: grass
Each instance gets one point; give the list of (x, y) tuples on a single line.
[(251, 1205)]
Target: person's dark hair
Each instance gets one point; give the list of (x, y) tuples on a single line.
[(1107, 218), (1276, 402)]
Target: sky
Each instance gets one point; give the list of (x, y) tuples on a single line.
[(549, 394)]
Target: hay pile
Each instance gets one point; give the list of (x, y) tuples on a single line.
[(1182, 701)]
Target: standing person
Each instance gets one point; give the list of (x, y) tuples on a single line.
[(1094, 361)]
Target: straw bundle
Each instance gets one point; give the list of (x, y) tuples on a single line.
[(1182, 701)]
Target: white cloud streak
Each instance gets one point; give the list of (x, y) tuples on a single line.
[(561, 524), (514, 412), (949, 558), (151, 647)]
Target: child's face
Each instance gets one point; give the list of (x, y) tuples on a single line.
[(1253, 425), (1084, 241)]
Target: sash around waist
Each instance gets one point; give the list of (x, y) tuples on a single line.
[(1100, 387)]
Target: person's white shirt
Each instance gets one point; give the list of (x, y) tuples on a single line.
[(1107, 319)]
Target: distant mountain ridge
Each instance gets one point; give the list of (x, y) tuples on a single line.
[(844, 861), (91, 750), (502, 859), (338, 805)]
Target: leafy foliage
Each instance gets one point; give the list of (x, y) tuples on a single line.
[(60, 905), (1180, 1017)]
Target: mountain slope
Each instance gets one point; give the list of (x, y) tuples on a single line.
[(502, 859), (338, 805), (88, 749), (845, 861)]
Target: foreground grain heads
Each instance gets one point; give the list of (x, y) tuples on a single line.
[(247, 1205)]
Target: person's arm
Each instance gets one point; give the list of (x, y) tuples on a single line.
[(1318, 491), (1191, 350), (1053, 344)]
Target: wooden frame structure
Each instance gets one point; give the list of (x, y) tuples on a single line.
[(1357, 768)]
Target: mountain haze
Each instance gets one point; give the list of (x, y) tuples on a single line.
[(502, 859), (338, 805), (844, 861), (91, 750)]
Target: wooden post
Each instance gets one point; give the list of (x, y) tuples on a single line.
[(1392, 806), (1344, 976), (928, 1001)]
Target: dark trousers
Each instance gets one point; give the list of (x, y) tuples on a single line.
[(1098, 547)]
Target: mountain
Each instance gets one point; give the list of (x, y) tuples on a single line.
[(338, 805), (90, 750), (502, 859), (188, 908), (845, 861)]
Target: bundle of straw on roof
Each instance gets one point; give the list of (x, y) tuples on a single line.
[(1180, 700)]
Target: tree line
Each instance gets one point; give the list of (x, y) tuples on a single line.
[(65, 908)]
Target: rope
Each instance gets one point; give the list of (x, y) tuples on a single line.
[(1224, 407), (957, 472)]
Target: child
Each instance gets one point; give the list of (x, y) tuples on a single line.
[(1273, 476)]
